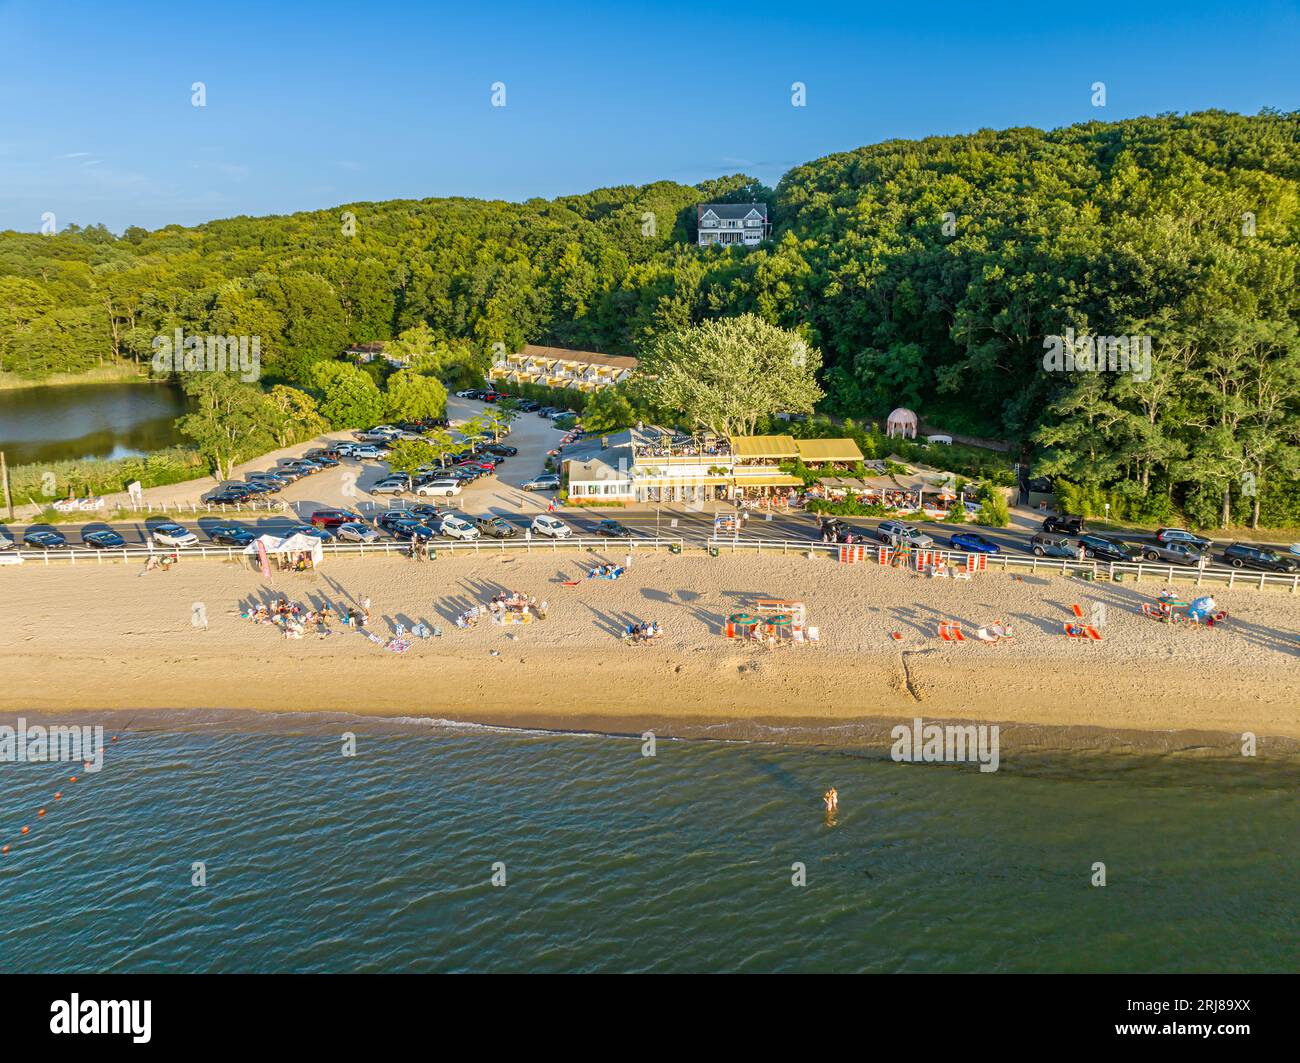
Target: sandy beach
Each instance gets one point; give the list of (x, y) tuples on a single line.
[(114, 637)]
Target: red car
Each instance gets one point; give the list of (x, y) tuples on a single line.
[(485, 464), (332, 518)]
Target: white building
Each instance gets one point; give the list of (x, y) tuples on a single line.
[(733, 223)]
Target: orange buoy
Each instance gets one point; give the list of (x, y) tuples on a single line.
[(24, 830), (58, 795), (72, 778), (41, 812), (4, 850), (115, 738)]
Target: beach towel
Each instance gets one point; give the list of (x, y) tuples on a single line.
[(374, 638), (398, 645)]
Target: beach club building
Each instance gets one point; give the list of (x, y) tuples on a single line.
[(659, 465), (555, 367)]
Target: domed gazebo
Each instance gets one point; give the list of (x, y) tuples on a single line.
[(902, 421)]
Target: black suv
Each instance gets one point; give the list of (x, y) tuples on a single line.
[(1063, 525), (1108, 549), (1243, 555)]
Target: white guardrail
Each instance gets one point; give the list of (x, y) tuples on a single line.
[(75, 554), (1112, 570)]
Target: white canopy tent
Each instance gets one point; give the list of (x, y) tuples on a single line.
[(292, 544)]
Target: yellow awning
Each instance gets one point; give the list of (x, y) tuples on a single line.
[(763, 447), (819, 450), (768, 481)]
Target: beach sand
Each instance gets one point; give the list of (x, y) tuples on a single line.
[(113, 637)]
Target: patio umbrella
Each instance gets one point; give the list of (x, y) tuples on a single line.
[(742, 619), (780, 620)]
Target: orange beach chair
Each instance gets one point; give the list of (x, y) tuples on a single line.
[(951, 632)]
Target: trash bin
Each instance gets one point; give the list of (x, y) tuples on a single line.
[(675, 548), (713, 551)]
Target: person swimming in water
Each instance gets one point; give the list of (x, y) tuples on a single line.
[(832, 800)]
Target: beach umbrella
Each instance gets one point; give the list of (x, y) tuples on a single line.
[(781, 620), (742, 618)]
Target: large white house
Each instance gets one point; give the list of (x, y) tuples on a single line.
[(733, 223)]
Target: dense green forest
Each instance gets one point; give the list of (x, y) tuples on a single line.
[(927, 273)]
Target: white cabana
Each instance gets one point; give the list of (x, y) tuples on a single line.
[(292, 545)]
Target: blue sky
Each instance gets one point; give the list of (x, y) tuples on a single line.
[(315, 105)]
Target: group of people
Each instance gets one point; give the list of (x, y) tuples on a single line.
[(508, 605), (643, 632), (160, 561), (606, 571), (295, 620)]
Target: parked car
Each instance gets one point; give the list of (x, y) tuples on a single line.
[(1053, 546), (612, 529), (105, 539), (974, 543), (495, 527), (278, 478), (454, 527), (1181, 535), (412, 530), (172, 534), (501, 450), (389, 485), (333, 518), (369, 450), (1179, 553), (545, 411), (529, 406), (230, 496), (231, 535), (548, 481), (6, 540), (1245, 555), (323, 534), (896, 533), (329, 459), (429, 514), (552, 528), (353, 532), (302, 465), (346, 450), (1064, 524), (44, 539), (466, 393), (393, 517), (439, 488), (1104, 549)]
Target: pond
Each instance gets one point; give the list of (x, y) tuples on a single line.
[(69, 423)]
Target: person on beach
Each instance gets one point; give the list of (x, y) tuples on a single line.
[(831, 799)]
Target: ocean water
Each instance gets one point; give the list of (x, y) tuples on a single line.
[(617, 862)]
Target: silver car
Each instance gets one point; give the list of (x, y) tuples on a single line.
[(352, 532)]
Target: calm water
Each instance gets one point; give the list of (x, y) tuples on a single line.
[(382, 862), (88, 421)]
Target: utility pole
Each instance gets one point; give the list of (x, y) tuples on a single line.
[(4, 479)]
